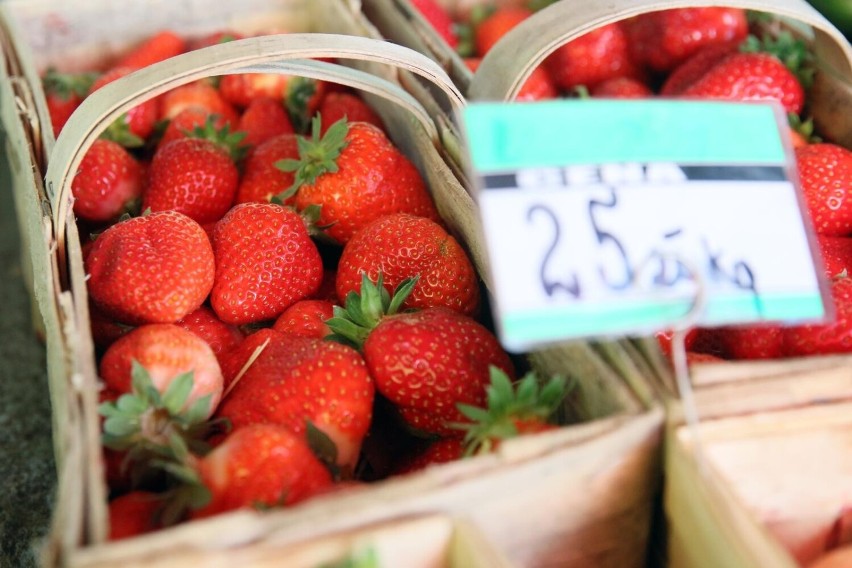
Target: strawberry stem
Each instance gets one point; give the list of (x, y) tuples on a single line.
[(317, 155)]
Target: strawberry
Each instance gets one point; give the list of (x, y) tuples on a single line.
[(762, 341), (262, 465), (442, 450), (825, 338), (186, 121), (108, 182), (198, 94), (437, 17), (241, 88), (158, 47), (306, 317), (709, 341), (64, 92), (401, 246), (825, 174), (133, 514), (495, 25), (538, 86), (622, 88), (665, 338), (262, 179), (298, 381), (220, 336), (339, 105), (692, 68), (263, 118), (594, 57), (693, 358), (303, 98), (265, 261), (355, 174), (196, 175), (836, 253), (133, 127), (164, 351), (665, 38), (424, 362)]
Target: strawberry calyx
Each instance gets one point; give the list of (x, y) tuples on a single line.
[(65, 85), (224, 137), (300, 92), (804, 128), (511, 409), (317, 155), (792, 52), (362, 312), (120, 133)]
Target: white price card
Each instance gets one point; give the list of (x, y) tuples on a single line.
[(607, 217)]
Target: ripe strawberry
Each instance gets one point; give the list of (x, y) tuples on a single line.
[(825, 173), (133, 514), (198, 94), (220, 336), (186, 121), (538, 86), (241, 88), (438, 17), (108, 182), (264, 118), (708, 340), (494, 26), (196, 175), (424, 362), (665, 38), (265, 261), (296, 381), (692, 68), (64, 92), (836, 253), (262, 179), (764, 341), (592, 58), (747, 77), (355, 174), (158, 47), (665, 338), (825, 338), (152, 269), (307, 318), (165, 351), (341, 104), (262, 465), (622, 88), (133, 127), (401, 246)]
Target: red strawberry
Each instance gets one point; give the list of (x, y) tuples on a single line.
[(300, 380), (265, 261), (186, 121), (490, 30), (262, 465), (262, 179), (538, 86), (836, 253), (763, 341), (160, 46), (747, 77), (306, 317), (594, 57), (355, 174), (708, 340), (665, 38), (825, 173), (825, 338), (424, 362), (691, 69), (664, 338), (401, 246), (242, 88), (196, 175), (152, 269), (165, 351), (264, 118), (339, 105), (137, 124), (220, 336), (622, 88), (198, 94), (108, 182), (133, 514), (64, 92), (439, 19)]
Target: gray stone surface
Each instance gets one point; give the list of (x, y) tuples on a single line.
[(27, 474)]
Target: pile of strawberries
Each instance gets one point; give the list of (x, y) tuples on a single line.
[(277, 307), (711, 52)]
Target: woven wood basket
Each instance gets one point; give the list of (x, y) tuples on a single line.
[(579, 496)]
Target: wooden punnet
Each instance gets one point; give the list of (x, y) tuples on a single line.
[(582, 495)]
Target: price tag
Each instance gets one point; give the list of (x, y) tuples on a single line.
[(607, 217)]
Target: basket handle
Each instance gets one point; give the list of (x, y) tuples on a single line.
[(505, 68), (290, 54)]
